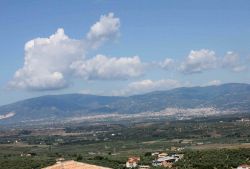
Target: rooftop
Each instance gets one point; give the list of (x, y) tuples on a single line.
[(73, 165)]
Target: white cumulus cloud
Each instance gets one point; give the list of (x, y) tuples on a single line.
[(232, 62), (46, 62), (167, 63), (103, 67), (148, 85), (51, 63), (106, 28), (213, 83), (199, 60)]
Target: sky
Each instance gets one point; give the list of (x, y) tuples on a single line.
[(110, 47)]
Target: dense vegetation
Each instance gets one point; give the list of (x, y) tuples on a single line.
[(210, 159), (12, 162), (208, 143)]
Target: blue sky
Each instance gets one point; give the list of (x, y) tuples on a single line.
[(135, 48)]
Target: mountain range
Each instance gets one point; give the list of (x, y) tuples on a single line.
[(231, 96)]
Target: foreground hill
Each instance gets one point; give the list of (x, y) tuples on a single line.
[(231, 96)]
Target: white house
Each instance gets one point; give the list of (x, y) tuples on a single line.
[(132, 162)]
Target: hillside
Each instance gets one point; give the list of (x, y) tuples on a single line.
[(224, 97)]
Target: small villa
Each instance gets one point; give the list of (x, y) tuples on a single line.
[(132, 162), (244, 166)]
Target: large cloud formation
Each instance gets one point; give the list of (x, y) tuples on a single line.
[(50, 63), (46, 62)]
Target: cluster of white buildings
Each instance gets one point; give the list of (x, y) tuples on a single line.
[(161, 159), (165, 160)]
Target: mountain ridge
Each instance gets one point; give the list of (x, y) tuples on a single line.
[(230, 96)]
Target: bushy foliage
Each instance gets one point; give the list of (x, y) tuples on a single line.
[(211, 159)]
